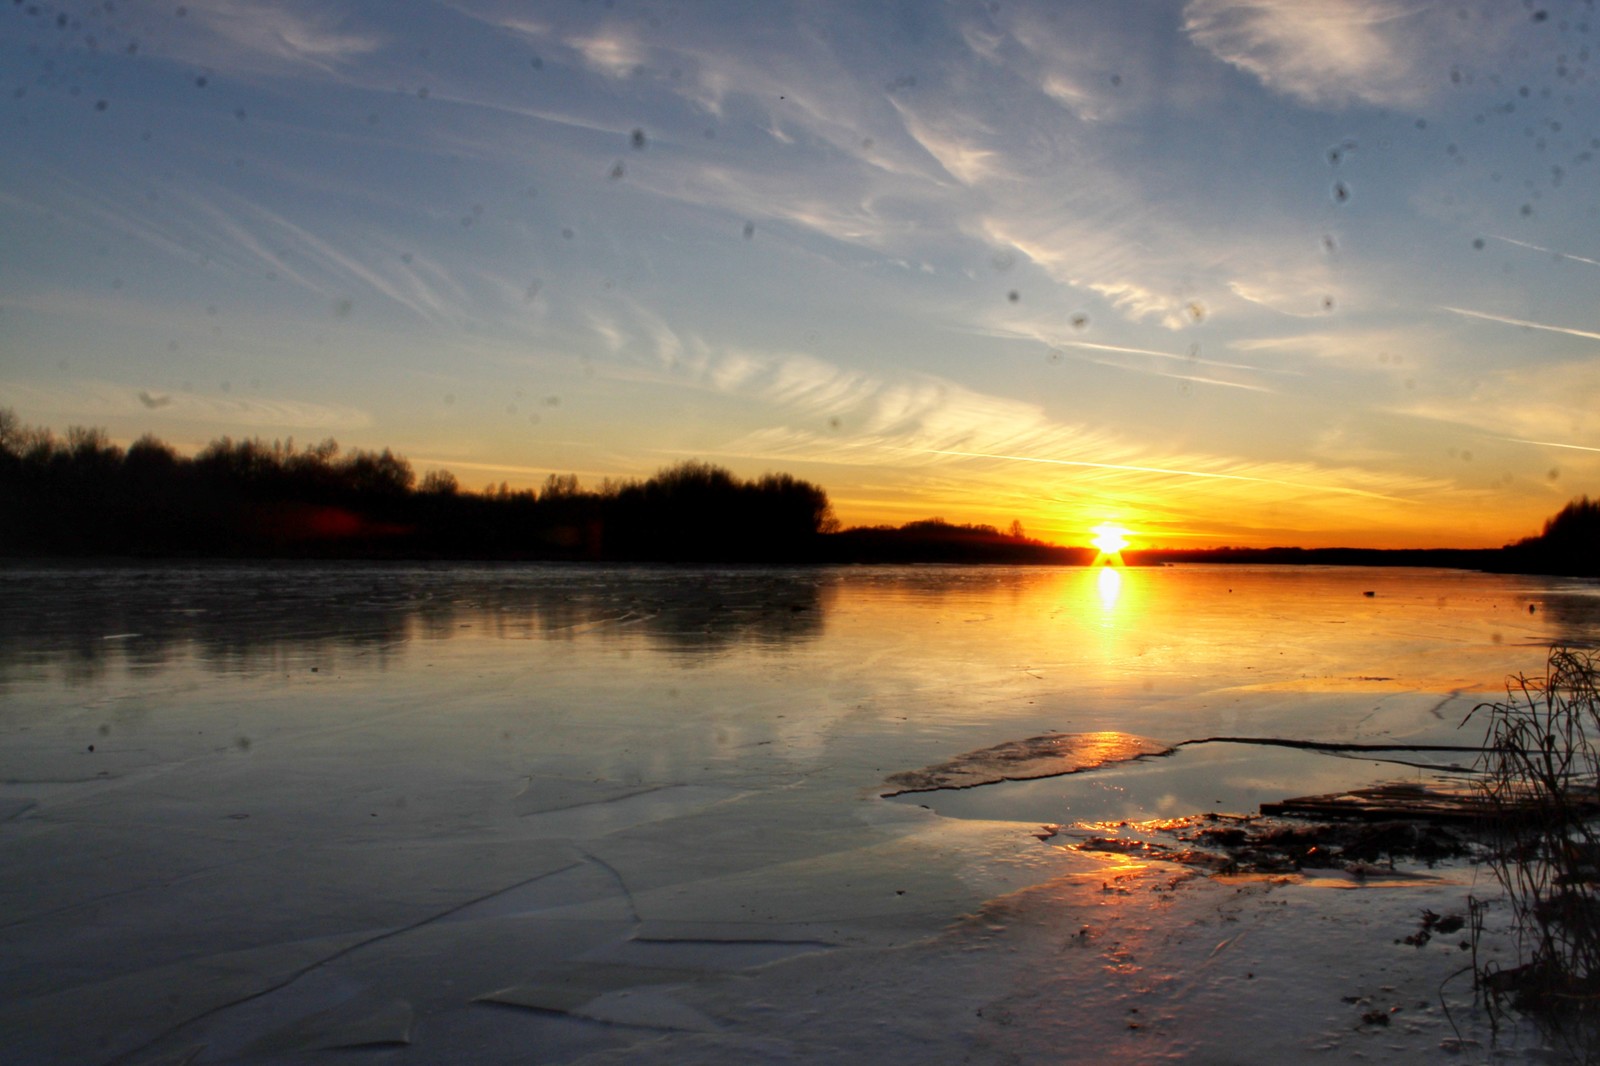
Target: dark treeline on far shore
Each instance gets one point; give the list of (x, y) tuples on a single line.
[(1569, 544), (81, 496)]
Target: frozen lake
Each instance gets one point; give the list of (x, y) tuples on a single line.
[(509, 814)]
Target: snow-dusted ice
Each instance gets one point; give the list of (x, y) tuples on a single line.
[(560, 814)]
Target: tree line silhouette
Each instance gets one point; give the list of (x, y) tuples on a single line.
[(81, 495)]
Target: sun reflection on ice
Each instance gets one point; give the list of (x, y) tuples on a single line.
[(1109, 584)]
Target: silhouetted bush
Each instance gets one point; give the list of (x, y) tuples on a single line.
[(1569, 543)]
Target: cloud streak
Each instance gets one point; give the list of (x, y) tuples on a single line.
[(1525, 323)]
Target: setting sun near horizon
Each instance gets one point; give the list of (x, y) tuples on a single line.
[(1109, 538)]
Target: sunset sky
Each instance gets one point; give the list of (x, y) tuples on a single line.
[(1221, 272)]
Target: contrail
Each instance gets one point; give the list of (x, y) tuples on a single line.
[(1170, 355), (1553, 444), (1521, 322), (1169, 471), (1547, 251)]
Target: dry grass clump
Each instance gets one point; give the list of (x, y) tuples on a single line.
[(1541, 780)]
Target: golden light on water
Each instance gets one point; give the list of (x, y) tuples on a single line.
[(1109, 583), (1109, 539)]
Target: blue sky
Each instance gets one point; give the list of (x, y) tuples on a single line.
[(1223, 272)]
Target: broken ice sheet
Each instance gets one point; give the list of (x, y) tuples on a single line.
[(1050, 755), (619, 995)]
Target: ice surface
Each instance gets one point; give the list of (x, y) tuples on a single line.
[(1052, 755), (292, 809)]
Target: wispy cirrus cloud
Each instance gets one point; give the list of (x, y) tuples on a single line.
[(284, 37), (98, 400), (1551, 403), (818, 411), (1332, 53)]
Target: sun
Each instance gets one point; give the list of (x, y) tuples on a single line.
[(1110, 539)]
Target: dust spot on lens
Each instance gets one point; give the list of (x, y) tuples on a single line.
[(1340, 192), (242, 743), (834, 423), (1477, 244), (343, 307), (1196, 311), (749, 230), (1013, 295), (637, 139), (1054, 355), (1327, 303), (617, 172), (1553, 473), (1079, 321)]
